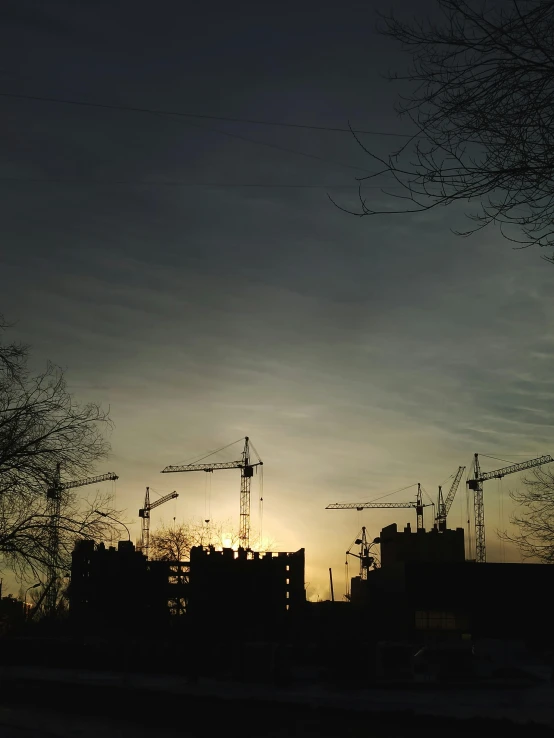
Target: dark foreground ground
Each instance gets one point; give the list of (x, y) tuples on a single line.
[(54, 704)]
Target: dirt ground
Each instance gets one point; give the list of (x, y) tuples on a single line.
[(39, 710)]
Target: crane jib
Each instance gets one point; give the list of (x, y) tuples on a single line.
[(211, 467), (513, 468), (247, 472)]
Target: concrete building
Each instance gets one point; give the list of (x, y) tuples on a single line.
[(119, 589), (420, 546), (245, 587), (424, 587), (116, 588)]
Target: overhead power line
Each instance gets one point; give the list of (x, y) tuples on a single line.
[(214, 185), (204, 116), (266, 144), (278, 147)]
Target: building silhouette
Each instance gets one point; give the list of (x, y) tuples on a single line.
[(119, 589)]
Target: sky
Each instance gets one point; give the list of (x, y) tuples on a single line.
[(193, 275)]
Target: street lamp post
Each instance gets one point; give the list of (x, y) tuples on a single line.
[(33, 586), (105, 515)]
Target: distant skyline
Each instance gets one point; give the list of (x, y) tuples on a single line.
[(360, 355)]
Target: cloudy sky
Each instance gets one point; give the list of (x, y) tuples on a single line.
[(192, 274)]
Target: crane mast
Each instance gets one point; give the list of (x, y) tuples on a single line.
[(479, 513), (144, 513), (443, 507), (366, 561), (53, 511), (419, 508), (246, 473), (418, 505), (476, 484)]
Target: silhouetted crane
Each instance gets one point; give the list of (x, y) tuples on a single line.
[(476, 484), (144, 513), (247, 472), (53, 510), (443, 507), (366, 561), (418, 505)]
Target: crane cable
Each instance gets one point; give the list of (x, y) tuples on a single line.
[(346, 579), (253, 448), (461, 499), (428, 495), (501, 516), (469, 467), (261, 505), (208, 498), (212, 453), (388, 494), (450, 476), (469, 545), (496, 458)]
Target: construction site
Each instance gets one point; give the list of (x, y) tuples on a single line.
[(420, 605)]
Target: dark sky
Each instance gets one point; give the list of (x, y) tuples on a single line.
[(178, 271)]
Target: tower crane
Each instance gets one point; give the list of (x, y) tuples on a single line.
[(418, 505), (144, 513), (247, 472), (476, 484), (53, 511), (366, 561), (443, 507)]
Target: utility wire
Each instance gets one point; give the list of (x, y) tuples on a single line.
[(134, 109), (177, 183), (278, 147), (183, 117)]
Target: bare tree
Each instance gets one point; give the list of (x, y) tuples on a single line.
[(41, 427), (171, 543), (482, 102), (12, 356), (174, 542), (24, 529), (535, 519)]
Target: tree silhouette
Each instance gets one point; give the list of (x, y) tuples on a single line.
[(535, 520), (482, 104), (41, 426), (174, 542)]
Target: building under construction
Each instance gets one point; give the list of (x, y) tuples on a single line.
[(425, 588), (113, 589), (266, 586), (418, 589), (251, 607), (117, 589)]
